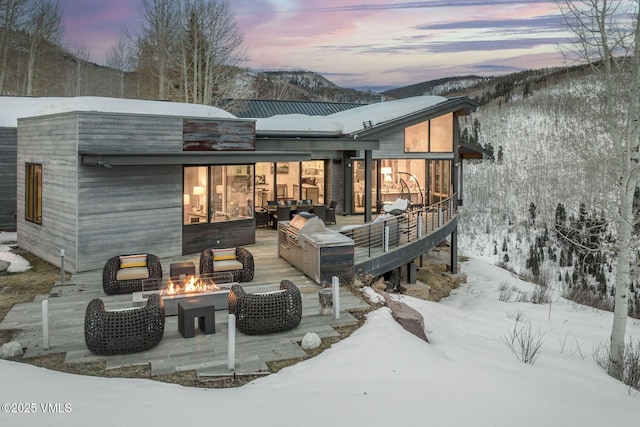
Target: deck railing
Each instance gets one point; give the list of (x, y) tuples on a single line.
[(385, 235)]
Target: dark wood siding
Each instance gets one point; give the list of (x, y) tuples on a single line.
[(8, 158), (336, 261), (219, 135), (196, 238)]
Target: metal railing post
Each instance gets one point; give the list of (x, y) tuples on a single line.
[(385, 238)]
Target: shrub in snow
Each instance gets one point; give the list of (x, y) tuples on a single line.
[(506, 292), (631, 362), (310, 341), (524, 342), (10, 350), (541, 295)]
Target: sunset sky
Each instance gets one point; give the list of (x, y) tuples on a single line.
[(363, 43)]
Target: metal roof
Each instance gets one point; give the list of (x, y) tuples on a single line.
[(260, 108)]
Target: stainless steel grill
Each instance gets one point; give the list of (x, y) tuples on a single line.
[(314, 249)]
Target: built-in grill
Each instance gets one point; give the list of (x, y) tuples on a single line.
[(314, 249)]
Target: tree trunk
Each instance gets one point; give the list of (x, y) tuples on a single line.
[(622, 278), (31, 63)]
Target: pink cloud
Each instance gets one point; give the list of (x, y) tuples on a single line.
[(97, 24)]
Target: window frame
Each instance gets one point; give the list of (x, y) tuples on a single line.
[(33, 193)]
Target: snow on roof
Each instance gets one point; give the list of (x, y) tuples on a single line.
[(343, 122), (13, 108), (348, 121)]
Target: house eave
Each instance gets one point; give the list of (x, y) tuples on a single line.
[(109, 159)]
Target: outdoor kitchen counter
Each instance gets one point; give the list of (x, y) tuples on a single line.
[(328, 238), (317, 251)]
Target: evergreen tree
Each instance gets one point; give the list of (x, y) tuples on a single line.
[(561, 220), (532, 213)]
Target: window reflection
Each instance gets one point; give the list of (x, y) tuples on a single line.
[(217, 193), (288, 181)]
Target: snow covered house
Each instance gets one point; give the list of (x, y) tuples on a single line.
[(99, 177)]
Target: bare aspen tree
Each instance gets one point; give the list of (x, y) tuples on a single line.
[(12, 14), (120, 58), (81, 55), (608, 40), (210, 48), (158, 38), (44, 25)]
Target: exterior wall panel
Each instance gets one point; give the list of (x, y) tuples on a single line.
[(8, 154), (50, 141)]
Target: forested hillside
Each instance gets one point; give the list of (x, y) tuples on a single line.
[(539, 208)]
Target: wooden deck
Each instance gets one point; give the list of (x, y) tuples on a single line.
[(206, 354)]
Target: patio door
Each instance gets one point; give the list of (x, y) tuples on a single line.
[(359, 189)]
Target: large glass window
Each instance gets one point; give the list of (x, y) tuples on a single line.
[(402, 178), (441, 137), (439, 180), (284, 181), (312, 182), (435, 136), (33, 193), (416, 138), (218, 193), (359, 188)]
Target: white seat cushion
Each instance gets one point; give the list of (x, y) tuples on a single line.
[(399, 204), (132, 273), (227, 265)]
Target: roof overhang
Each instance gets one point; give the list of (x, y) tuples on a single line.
[(316, 144), (470, 151), (109, 159), (460, 106)]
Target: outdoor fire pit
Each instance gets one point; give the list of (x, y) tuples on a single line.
[(212, 288)]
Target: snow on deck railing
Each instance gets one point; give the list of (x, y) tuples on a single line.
[(390, 232)]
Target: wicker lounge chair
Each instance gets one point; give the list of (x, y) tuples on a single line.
[(112, 285), (123, 331), (265, 313), (242, 273)]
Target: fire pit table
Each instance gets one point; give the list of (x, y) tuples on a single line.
[(212, 289)]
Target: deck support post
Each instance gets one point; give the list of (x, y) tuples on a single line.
[(335, 286), (454, 251), (231, 344), (45, 324), (385, 238)]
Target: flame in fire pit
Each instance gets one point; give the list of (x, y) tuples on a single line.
[(190, 285)]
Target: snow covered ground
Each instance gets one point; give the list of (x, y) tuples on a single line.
[(18, 264), (380, 376)]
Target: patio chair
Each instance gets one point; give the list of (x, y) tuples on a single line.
[(237, 261), (398, 207), (268, 312), (320, 211), (124, 274), (262, 218), (108, 332), (330, 214), (303, 208), (283, 213)]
